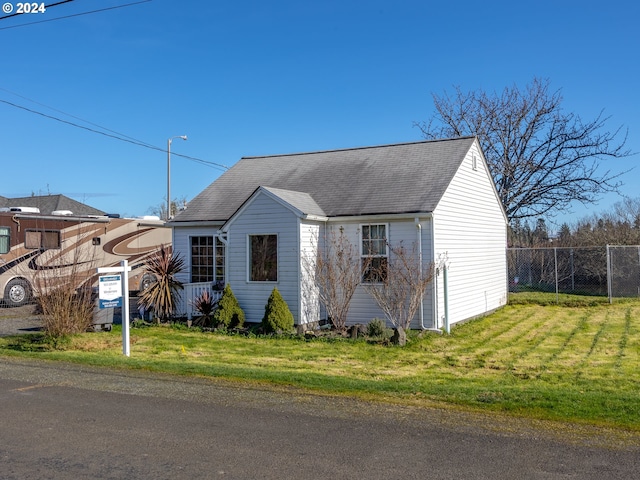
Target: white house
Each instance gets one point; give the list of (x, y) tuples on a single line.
[(255, 223)]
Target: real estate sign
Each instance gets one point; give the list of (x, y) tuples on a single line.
[(110, 291)]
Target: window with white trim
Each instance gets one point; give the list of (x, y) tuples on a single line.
[(374, 252), (207, 259), (263, 258)]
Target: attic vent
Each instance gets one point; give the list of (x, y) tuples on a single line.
[(474, 162)]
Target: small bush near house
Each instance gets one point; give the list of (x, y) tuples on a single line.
[(277, 316), (376, 328), (228, 312), (205, 305)]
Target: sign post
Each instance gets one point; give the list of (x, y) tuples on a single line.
[(112, 289)]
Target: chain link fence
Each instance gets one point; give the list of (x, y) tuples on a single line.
[(609, 271)]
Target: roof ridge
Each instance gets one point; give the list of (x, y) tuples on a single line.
[(360, 148)]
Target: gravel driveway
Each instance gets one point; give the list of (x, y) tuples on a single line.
[(19, 320)]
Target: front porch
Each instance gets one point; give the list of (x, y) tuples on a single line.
[(191, 291)]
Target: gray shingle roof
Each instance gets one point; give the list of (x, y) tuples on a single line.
[(299, 200), (402, 178), (51, 203)]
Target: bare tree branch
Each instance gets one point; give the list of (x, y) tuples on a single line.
[(337, 271), (404, 281), (541, 158)]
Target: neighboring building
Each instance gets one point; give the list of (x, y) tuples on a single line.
[(252, 226), (50, 203)]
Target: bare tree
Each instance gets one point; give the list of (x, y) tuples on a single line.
[(336, 270), (401, 286), (541, 158), (64, 270), (177, 205)]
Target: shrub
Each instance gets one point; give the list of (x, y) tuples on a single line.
[(161, 295), (228, 312), (66, 311), (277, 316), (205, 305), (376, 328)]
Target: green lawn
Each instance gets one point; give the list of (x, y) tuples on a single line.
[(580, 364)]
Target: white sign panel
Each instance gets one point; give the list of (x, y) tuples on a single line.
[(110, 291)]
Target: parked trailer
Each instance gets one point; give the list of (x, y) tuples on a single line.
[(39, 252)]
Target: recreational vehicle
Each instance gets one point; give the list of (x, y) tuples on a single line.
[(39, 252)]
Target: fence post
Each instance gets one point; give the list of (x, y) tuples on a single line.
[(609, 293), (555, 265), (573, 273)]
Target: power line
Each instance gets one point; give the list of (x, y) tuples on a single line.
[(46, 6), (69, 16), (73, 116), (120, 137)]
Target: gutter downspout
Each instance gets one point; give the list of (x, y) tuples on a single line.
[(446, 297), (434, 290), (222, 236), (419, 227)]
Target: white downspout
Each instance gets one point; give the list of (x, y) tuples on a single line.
[(446, 297), (222, 236), (434, 303), (419, 227), (434, 288)]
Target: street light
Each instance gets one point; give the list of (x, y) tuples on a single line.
[(184, 137)]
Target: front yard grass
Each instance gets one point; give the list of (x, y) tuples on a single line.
[(578, 364)]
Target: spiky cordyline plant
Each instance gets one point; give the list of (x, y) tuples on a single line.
[(205, 305), (160, 295)]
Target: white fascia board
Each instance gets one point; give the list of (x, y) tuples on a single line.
[(381, 217), (197, 223), (315, 218)]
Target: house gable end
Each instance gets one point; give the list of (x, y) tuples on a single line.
[(299, 203)]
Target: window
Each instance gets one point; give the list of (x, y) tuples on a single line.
[(5, 239), (263, 258), (374, 252), (207, 259), (42, 239)]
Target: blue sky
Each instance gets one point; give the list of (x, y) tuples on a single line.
[(250, 77)]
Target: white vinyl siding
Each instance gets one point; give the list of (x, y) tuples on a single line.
[(363, 308), (263, 215), (470, 228), (310, 238)]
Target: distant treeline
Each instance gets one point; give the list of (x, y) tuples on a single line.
[(620, 226)]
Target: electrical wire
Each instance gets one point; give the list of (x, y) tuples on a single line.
[(116, 135), (46, 6), (69, 16)]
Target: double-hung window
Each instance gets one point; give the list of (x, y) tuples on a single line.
[(374, 252)]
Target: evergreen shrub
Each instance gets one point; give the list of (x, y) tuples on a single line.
[(228, 312), (277, 316), (376, 328)]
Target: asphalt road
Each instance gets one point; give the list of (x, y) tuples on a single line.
[(63, 421)]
